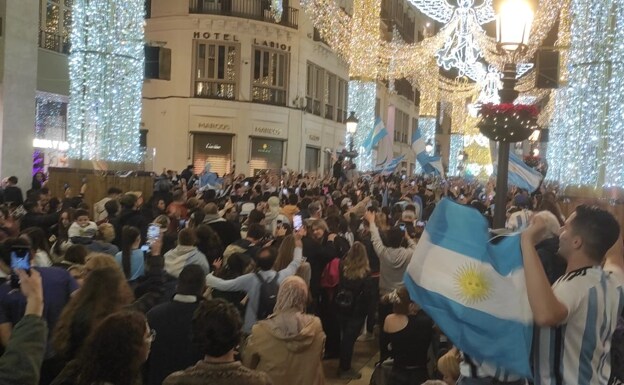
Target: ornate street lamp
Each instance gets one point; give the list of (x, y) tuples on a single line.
[(352, 123), (513, 25)]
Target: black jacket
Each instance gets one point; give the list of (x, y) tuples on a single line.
[(44, 221), (173, 349), (130, 218)]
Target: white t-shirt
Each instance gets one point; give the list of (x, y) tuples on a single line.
[(578, 350)]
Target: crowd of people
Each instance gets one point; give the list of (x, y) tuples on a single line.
[(257, 280)]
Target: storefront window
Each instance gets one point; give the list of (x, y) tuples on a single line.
[(312, 159), (266, 155), (50, 143), (214, 149)]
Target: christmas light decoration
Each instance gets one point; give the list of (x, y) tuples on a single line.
[(362, 100), (587, 131), (457, 147), (106, 67)]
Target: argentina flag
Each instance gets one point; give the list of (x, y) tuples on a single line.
[(523, 176), (378, 133), (474, 290), (390, 167), (430, 164)]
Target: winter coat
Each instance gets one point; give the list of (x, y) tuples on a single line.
[(288, 347), (181, 256)]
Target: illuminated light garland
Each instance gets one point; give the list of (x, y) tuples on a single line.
[(587, 132), (362, 96), (457, 146), (364, 56), (106, 68)]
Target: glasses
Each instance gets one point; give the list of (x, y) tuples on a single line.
[(151, 337)]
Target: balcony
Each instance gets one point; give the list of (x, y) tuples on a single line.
[(393, 14), (247, 9), (215, 89)]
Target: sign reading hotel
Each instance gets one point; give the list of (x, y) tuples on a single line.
[(215, 36)]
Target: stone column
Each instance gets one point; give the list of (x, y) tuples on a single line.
[(18, 61)]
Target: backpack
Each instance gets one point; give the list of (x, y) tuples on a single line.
[(351, 297), (268, 296), (331, 274)]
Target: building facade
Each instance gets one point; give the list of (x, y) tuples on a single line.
[(247, 92)]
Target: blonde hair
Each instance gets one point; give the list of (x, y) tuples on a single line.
[(163, 221), (292, 295), (319, 224), (96, 261), (285, 253), (355, 264), (107, 232), (448, 364)]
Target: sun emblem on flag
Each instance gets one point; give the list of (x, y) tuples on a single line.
[(472, 284)]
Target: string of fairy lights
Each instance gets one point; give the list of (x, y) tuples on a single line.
[(572, 108), (106, 80)]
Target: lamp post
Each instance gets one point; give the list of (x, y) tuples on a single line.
[(513, 25), (352, 123)]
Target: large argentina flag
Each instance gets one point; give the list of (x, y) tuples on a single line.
[(473, 289)]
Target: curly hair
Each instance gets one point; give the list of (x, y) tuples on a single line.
[(355, 264), (216, 327), (114, 351), (105, 291)]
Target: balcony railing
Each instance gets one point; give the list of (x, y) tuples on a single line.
[(246, 9), (54, 42), (269, 95), (214, 89)]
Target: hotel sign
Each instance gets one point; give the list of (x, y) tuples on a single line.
[(215, 36)]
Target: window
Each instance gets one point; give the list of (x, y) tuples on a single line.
[(314, 89), (343, 98), (270, 76), (330, 96), (55, 25), (326, 94), (215, 70), (401, 126), (414, 127)]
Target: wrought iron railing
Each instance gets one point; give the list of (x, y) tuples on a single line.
[(247, 9), (215, 89)]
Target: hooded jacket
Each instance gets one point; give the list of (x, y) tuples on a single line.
[(289, 347), (176, 259), (271, 216)]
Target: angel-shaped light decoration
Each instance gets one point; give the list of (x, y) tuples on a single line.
[(460, 50)]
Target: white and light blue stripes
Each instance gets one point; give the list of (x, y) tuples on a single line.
[(473, 289), (430, 164)]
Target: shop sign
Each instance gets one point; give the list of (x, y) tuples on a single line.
[(271, 131), (215, 36), (51, 144), (201, 123), (272, 44), (314, 138), (213, 146)]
